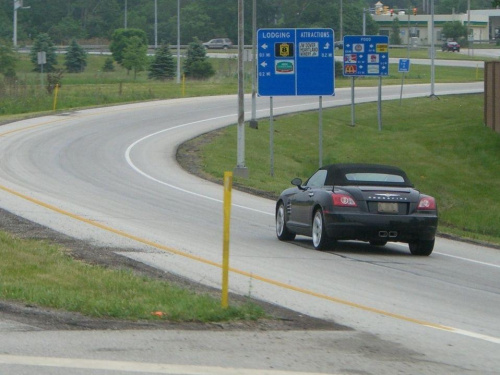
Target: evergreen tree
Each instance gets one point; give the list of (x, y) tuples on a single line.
[(43, 43), (76, 58), (135, 55), (108, 65), (196, 64), (163, 65), (7, 59)]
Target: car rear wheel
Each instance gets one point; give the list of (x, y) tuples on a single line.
[(282, 231), (319, 236), (422, 248)]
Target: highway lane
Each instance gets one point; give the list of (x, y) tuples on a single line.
[(109, 175)]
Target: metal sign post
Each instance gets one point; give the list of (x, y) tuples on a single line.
[(41, 59)]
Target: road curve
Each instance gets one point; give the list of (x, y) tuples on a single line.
[(109, 176)]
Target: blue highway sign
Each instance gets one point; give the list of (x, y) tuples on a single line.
[(366, 55), (295, 62)]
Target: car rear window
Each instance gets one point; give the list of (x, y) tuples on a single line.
[(374, 177)]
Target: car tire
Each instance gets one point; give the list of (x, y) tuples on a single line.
[(378, 242), (421, 247), (319, 235), (282, 231)]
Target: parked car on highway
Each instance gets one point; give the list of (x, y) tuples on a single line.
[(365, 202), (221, 43), (450, 47)]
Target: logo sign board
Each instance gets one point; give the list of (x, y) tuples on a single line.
[(295, 62), (404, 65), (366, 55)]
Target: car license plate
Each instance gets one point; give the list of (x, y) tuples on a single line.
[(388, 208)]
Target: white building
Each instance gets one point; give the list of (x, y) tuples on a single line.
[(483, 24)]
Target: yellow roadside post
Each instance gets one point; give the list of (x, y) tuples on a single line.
[(55, 96), (228, 183)]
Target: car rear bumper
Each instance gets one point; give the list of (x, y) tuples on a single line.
[(397, 228)]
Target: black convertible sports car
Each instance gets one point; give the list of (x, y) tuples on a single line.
[(365, 202)]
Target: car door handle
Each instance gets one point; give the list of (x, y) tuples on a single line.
[(311, 194)]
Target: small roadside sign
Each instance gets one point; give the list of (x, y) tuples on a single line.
[(404, 65)]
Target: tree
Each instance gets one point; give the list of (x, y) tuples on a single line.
[(66, 29), (460, 6), (196, 64), (8, 59), (121, 39), (163, 65), (76, 58), (43, 43), (395, 38), (495, 3), (108, 65), (135, 55), (454, 30)]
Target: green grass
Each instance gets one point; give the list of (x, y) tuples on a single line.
[(94, 87), (36, 272), (442, 144)]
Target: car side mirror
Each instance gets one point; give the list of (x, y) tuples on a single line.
[(298, 182)]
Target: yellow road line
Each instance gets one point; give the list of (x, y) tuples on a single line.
[(215, 264)]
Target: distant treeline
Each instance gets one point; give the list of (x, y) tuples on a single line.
[(96, 20)]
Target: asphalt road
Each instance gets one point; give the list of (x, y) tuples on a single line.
[(109, 176)]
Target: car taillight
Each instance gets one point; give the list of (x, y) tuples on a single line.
[(427, 203), (343, 200)]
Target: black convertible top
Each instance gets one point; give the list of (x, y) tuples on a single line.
[(336, 174)]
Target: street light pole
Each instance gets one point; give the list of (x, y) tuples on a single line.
[(240, 170), (18, 4), (125, 18), (156, 24), (433, 52), (253, 121), (341, 21), (178, 41)]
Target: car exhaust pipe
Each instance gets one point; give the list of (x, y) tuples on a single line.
[(383, 234), (393, 234)]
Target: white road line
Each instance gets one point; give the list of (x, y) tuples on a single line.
[(456, 257), (471, 260), (138, 170), (138, 367)]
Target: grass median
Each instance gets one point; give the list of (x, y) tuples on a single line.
[(42, 274)]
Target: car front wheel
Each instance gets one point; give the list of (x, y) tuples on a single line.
[(282, 231), (421, 247), (319, 236)]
